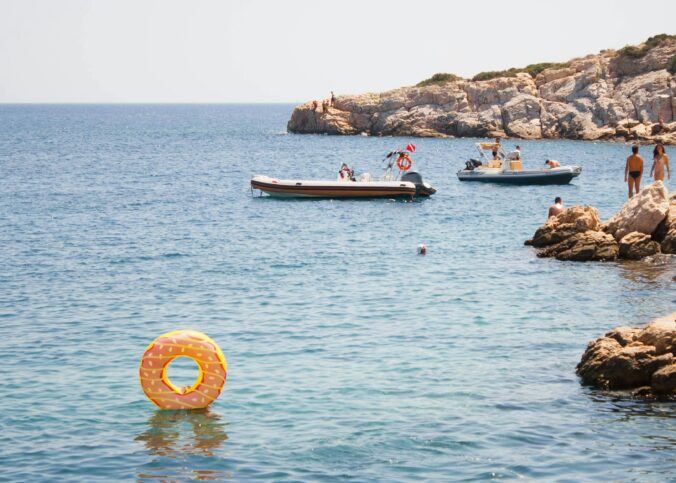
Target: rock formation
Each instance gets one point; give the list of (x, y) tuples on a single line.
[(641, 358), (623, 95), (642, 213), (665, 233), (637, 245), (645, 226)]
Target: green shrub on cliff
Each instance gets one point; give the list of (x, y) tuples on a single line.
[(671, 66), (535, 69), (438, 79), (632, 51), (636, 52), (494, 74), (532, 69)]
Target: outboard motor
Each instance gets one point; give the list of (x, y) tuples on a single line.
[(472, 163), (421, 187)]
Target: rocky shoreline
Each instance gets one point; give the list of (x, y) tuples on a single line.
[(645, 226), (625, 95), (642, 359)]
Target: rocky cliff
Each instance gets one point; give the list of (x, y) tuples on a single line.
[(620, 95)]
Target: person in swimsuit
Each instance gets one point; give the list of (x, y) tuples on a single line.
[(552, 163), (660, 160), (556, 208), (633, 171)]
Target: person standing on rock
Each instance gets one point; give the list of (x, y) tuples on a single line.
[(633, 171), (556, 208), (660, 160), (333, 99)]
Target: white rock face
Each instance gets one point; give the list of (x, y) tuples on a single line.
[(642, 213), (605, 96)]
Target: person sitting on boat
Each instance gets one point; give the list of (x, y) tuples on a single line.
[(552, 163), (345, 173), (496, 162)]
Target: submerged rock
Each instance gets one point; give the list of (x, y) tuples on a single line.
[(633, 358)]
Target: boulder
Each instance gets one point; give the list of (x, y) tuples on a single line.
[(636, 246), (642, 213), (660, 333), (633, 357), (663, 380), (576, 219), (665, 233), (668, 245), (583, 247)]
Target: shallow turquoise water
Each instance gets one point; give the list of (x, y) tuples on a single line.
[(349, 356)]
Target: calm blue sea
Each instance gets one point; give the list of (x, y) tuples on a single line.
[(350, 357)]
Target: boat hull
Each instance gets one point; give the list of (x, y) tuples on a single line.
[(328, 189), (537, 177)]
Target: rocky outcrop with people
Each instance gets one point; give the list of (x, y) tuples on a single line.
[(645, 226), (639, 358), (616, 95)]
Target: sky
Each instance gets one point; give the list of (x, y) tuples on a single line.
[(175, 51)]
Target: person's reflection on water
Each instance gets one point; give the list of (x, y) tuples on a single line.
[(183, 434)]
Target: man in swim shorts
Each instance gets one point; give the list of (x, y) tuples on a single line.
[(633, 171)]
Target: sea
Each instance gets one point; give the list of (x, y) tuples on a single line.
[(350, 356)]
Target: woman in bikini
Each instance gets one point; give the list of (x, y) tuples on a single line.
[(633, 171), (660, 160)]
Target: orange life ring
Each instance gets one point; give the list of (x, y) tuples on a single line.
[(182, 343), (404, 163)]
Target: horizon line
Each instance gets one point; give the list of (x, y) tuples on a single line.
[(141, 103)]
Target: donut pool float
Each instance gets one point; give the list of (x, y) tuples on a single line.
[(182, 343)]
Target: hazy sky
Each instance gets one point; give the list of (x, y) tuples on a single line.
[(288, 51)]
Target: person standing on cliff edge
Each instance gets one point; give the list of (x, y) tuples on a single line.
[(633, 171), (333, 99)]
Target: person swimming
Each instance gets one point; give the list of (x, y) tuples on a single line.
[(660, 161), (633, 171)]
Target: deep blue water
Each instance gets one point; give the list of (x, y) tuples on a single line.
[(349, 356)]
